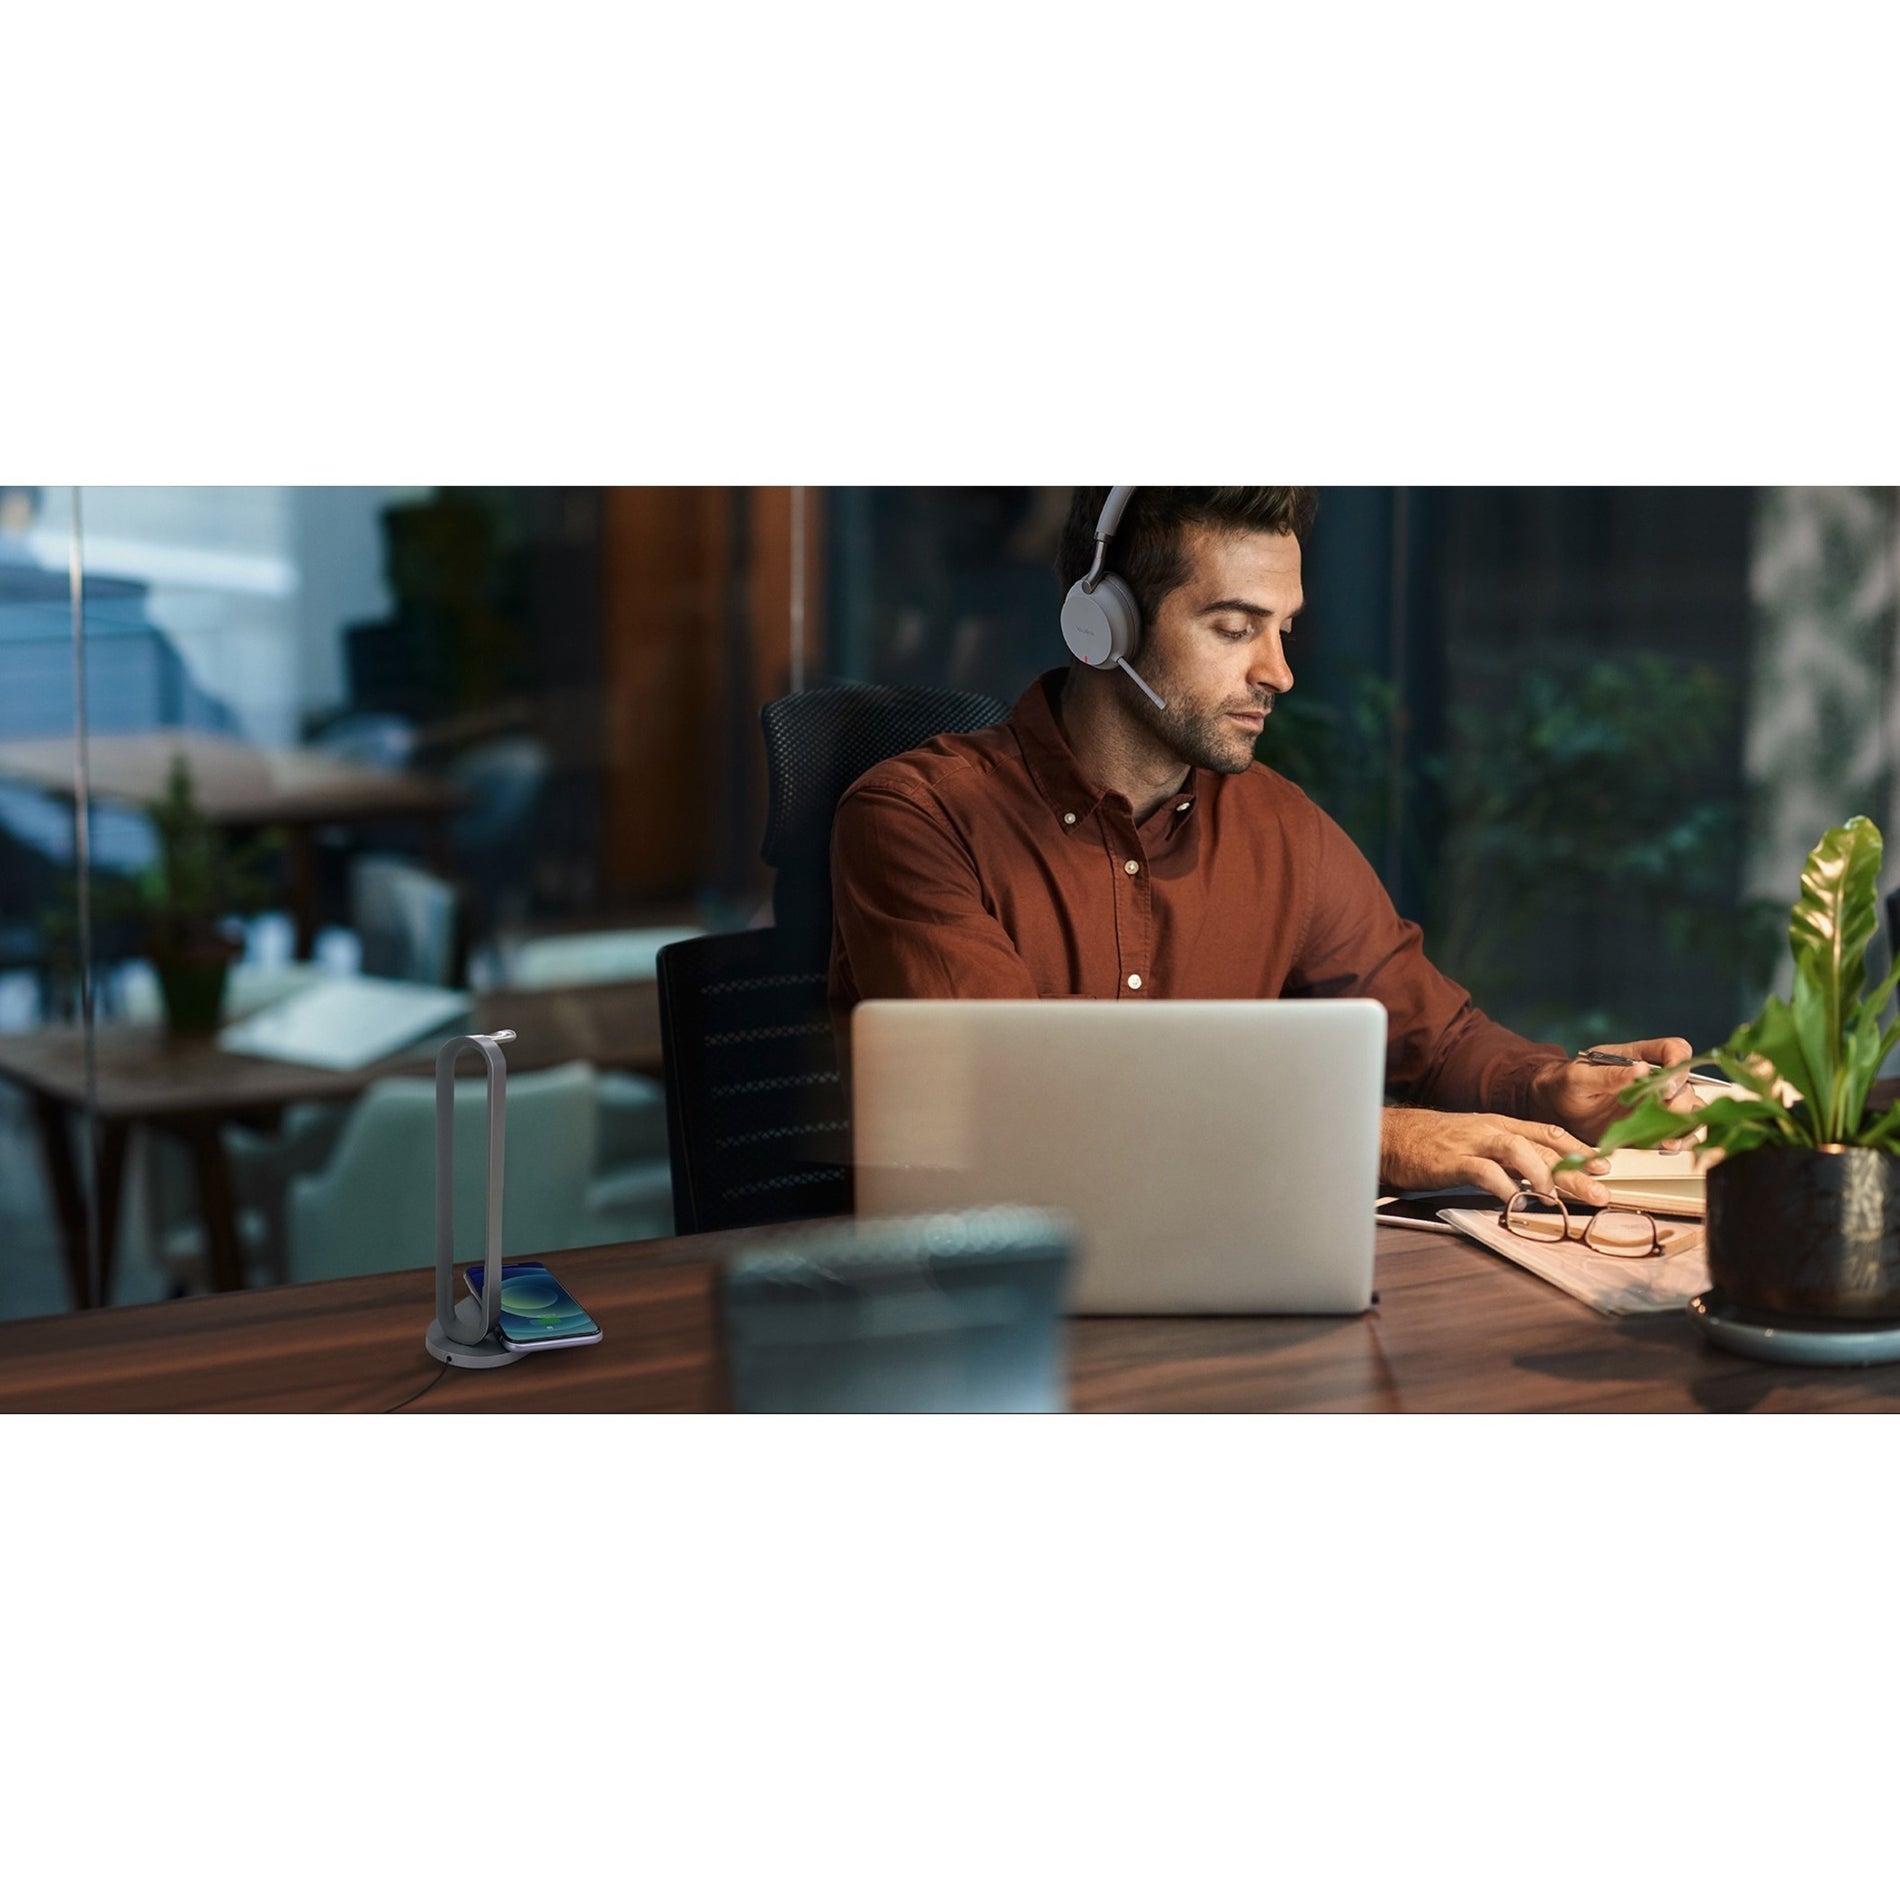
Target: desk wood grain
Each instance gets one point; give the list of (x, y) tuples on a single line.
[(356, 1346), (1456, 1330)]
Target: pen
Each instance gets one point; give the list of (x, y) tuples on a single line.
[(1605, 1059)]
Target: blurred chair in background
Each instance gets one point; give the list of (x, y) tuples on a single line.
[(624, 1192), (380, 739), (372, 1208), (407, 921), (384, 739), (261, 1163), (493, 834)]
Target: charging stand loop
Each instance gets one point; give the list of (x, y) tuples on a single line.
[(465, 1334)]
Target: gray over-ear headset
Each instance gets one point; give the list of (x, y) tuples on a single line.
[(1101, 621)]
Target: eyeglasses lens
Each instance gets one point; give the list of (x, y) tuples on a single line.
[(1622, 1231), (1533, 1217)]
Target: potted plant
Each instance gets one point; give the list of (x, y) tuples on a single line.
[(181, 900), (1804, 1204)]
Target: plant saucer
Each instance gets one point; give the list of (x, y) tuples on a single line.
[(1796, 1342)]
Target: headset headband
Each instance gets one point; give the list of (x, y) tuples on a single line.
[(1105, 526)]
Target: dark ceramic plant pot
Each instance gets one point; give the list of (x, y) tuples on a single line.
[(191, 980), (1807, 1233)]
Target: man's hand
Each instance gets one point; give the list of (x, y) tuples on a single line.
[(1422, 1148), (1582, 1095)]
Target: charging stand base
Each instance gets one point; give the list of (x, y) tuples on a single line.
[(484, 1352)]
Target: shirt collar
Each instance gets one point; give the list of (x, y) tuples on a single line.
[(1053, 766)]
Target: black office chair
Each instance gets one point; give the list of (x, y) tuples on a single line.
[(816, 744), (756, 1118), (755, 1111)]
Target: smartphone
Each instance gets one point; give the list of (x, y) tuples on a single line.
[(537, 1312), (1421, 1210)]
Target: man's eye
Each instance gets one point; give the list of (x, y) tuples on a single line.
[(1233, 633)]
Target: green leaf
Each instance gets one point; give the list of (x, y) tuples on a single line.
[(1646, 1125), (1880, 1130), (1817, 1034), (1775, 1037), (1728, 1114), (1829, 929), (1744, 1136), (1858, 1072)]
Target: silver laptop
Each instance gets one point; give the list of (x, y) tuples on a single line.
[(1216, 1157)]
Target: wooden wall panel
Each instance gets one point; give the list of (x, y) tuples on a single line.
[(697, 598), (662, 646)]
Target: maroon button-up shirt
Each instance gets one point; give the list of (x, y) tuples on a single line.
[(985, 864)]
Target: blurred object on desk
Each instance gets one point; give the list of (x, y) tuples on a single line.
[(954, 1312), (345, 1023)]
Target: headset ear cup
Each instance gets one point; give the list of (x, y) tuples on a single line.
[(1102, 627), (1124, 617)]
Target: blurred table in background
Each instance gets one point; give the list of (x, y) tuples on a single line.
[(190, 1088), (245, 787)]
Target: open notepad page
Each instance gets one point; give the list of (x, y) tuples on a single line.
[(345, 1022), (1601, 1281)]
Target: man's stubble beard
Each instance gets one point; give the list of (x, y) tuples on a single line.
[(1194, 734)]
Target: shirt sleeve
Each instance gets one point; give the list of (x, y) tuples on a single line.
[(1442, 1051), (910, 919)]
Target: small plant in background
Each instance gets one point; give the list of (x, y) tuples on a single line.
[(173, 910), (196, 878)]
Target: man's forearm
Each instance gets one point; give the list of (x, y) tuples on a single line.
[(1480, 1066)]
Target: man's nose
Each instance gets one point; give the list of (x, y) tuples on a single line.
[(1270, 668)]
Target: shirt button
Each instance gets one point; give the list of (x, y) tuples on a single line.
[(1068, 817), (1185, 803), (1134, 982), (1131, 867)]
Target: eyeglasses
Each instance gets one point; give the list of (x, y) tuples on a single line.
[(1625, 1233)]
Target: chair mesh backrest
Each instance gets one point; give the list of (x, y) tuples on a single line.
[(817, 743), (755, 1110)]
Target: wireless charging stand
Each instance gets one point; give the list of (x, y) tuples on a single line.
[(465, 1334)]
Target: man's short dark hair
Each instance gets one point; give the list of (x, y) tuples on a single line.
[(1147, 550)]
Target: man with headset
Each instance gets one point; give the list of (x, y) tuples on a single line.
[(1115, 837)]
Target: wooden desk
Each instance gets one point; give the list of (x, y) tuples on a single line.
[(1456, 1330), (296, 788), (190, 1088)]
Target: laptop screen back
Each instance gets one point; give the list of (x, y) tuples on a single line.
[(1215, 1156)]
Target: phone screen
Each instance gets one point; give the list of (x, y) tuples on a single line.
[(536, 1309)]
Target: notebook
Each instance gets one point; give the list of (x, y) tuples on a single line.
[(1659, 1183), (345, 1022)]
